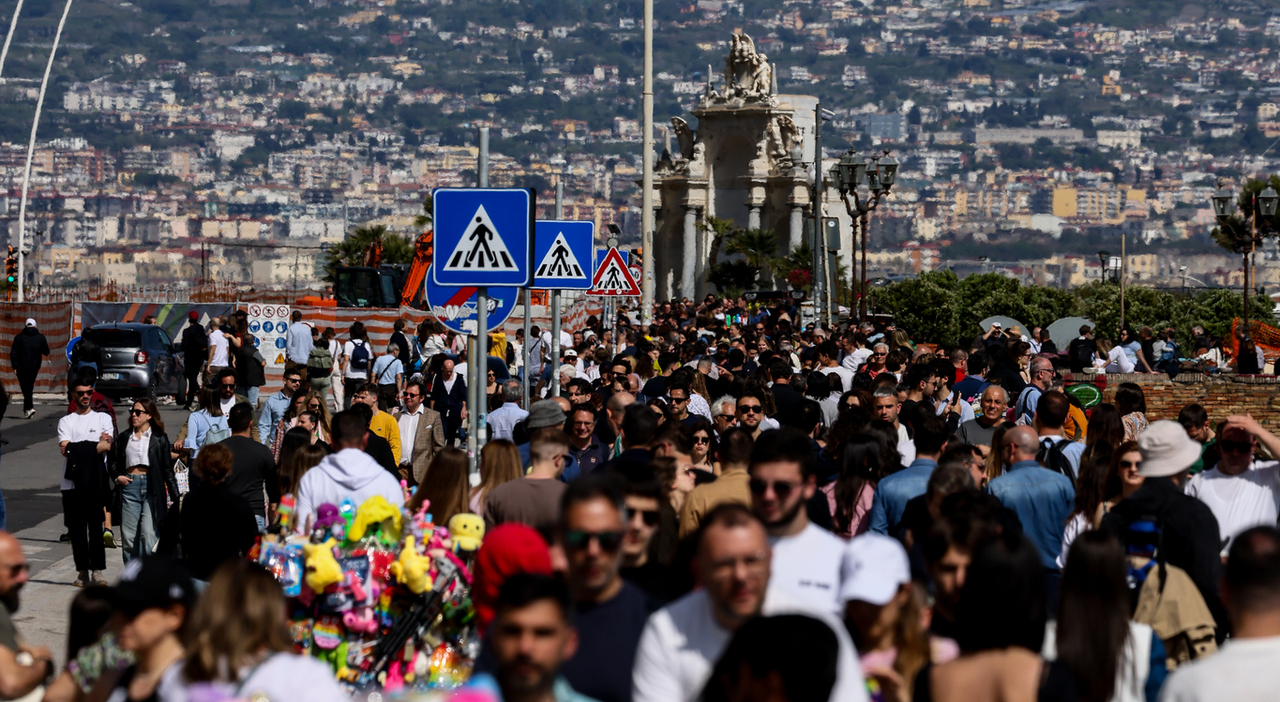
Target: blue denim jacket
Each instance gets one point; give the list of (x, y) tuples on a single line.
[(895, 490), (1043, 501), (273, 409)]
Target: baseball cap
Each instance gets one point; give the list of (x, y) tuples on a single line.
[(875, 566), (570, 352), (151, 582), (193, 315), (997, 325), (1166, 449), (545, 413), (31, 322)]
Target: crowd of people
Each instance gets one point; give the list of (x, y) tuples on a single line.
[(720, 506)]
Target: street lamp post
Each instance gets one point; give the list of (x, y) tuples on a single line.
[(879, 176), (1262, 204), (1183, 271)]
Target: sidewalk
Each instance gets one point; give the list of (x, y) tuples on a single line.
[(46, 598)]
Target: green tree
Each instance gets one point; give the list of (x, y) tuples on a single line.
[(925, 306), (719, 229), (758, 247), (352, 250)]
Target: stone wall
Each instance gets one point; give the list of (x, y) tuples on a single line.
[(1220, 395)]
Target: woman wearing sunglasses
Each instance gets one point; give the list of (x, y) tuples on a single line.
[(1123, 478), (704, 446), (143, 470)]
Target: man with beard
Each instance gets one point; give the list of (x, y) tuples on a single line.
[(806, 558), (17, 680), (611, 611), (532, 634)]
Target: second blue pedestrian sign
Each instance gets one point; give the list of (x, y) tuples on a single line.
[(562, 253)]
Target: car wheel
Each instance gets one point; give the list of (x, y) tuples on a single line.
[(153, 387)]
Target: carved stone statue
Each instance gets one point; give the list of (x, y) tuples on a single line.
[(685, 137), (784, 137), (788, 133), (747, 73)]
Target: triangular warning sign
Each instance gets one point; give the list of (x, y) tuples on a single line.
[(279, 359), (481, 248), (613, 277), (559, 263)]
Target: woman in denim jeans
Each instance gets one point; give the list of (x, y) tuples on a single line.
[(143, 469)]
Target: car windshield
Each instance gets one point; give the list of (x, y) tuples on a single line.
[(115, 338)]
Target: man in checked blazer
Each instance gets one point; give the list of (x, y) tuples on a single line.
[(421, 433)]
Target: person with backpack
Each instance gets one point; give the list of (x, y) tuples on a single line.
[(356, 361), (319, 363), (1057, 452), (1189, 537), (1081, 351), (1041, 372), (207, 425)]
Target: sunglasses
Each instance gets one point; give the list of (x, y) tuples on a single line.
[(316, 407), (726, 417), (229, 385), (1128, 464), (650, 516), (781, 488), (1235, 446), (136, 413), (294, 379), (578, 540), (750, 409), (675, 400), (702, 440), (81, 393)]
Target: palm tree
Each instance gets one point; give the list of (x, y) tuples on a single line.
[(758, 247), (719, 229), (354, 249)]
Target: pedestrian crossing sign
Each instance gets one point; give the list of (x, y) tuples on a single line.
[(482, 236), (613, 278), (562, 252)]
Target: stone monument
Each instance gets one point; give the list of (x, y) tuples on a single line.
[(748, 162)]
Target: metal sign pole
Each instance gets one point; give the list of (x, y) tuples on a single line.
[(555, 307), (481, 373), (524, 352)]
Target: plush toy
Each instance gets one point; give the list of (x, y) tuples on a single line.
[(375, 510), (322, 568), (412, 569), (467, 531)]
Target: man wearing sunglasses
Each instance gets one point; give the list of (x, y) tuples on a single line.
[(1041, 370), (611, 611), (1241, 491), (724, 414), (275, 406), (228, 398), (750, 412), (806, 558)]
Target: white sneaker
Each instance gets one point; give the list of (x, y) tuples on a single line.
[(29, 414)]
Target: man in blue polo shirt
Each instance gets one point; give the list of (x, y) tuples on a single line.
[(895, 490)]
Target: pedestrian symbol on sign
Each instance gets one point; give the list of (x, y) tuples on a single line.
[(481, 248), (559, 261), (613, 277)]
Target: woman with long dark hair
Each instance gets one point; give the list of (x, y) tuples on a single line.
[(1104, 434), (144, 470), (1123, 478), (1131, 403), (1000, 623), (850, 496), (1091, 495), (445, 486), (1109, 656)]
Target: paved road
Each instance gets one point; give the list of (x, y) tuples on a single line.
[(30, 468)]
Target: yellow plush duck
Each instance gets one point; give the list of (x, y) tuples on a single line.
[(322, 568), (412, 569), (466, 531)]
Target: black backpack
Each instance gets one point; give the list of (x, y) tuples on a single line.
[(1053, 456), (1082, 354)]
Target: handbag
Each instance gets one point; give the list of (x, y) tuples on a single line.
[(183, 476)]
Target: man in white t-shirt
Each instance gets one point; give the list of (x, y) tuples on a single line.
[(806, 558), (682, 641), (1244, 669), (218, 347), (828, 352), (82, 505), (1242, 492)]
